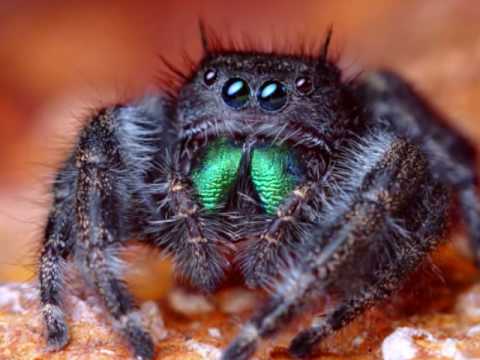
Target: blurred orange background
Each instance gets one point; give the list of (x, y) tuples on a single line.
[(58, 59)]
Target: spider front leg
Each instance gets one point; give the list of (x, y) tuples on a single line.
[(194, 238), (383, 279), (102, 225), (361, 249), (57, 246), (93, 217), (393, 102), (271, 248), (270, 240)]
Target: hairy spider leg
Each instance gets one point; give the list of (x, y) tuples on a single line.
[(93, 214), (57, 246), (195, 238), (375, 196), (394, 103), (275, 240)]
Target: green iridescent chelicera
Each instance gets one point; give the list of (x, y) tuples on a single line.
[(217, 173), (269, 171), (270, 176)]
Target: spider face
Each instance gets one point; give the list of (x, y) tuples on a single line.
[(270, 105), (243, 95)]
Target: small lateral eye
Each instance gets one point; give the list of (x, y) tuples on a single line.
[(236, 93), (304, 85), (272, 95), (209, 77)]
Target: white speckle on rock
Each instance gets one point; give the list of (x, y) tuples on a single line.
[(206, 351), (473, 331), (469, 303), (84, 310), (214, 332), (237, 301), (399, 345), (106, 352), (12, 296), (189, 304), (152, 318), (359, 339), (450, 350)]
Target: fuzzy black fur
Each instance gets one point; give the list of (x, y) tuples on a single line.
[(379, 168)]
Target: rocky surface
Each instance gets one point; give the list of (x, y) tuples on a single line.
[(436, 316)]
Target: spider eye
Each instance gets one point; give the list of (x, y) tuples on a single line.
[(236, 93), (210, 77), (272, 95), (304, 85)]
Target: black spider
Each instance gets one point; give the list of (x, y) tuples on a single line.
[(271, 164)]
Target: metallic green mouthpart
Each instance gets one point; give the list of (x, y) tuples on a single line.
[(271, 176), (217, 173)]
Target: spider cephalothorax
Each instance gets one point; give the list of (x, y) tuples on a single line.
[(249, 137), (270, 165)]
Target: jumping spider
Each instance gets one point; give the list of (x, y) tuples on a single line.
[(269, 164)]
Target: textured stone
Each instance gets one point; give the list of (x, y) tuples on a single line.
[(436, 315)]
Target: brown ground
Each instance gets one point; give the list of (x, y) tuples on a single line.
[(60, 58), (437, 316)]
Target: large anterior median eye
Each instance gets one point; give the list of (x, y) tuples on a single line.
[(272, 95), (236, 93)]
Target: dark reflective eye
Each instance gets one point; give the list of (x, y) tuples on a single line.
[(272, 95), (236, 93), (210, 77), (304, 85)]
